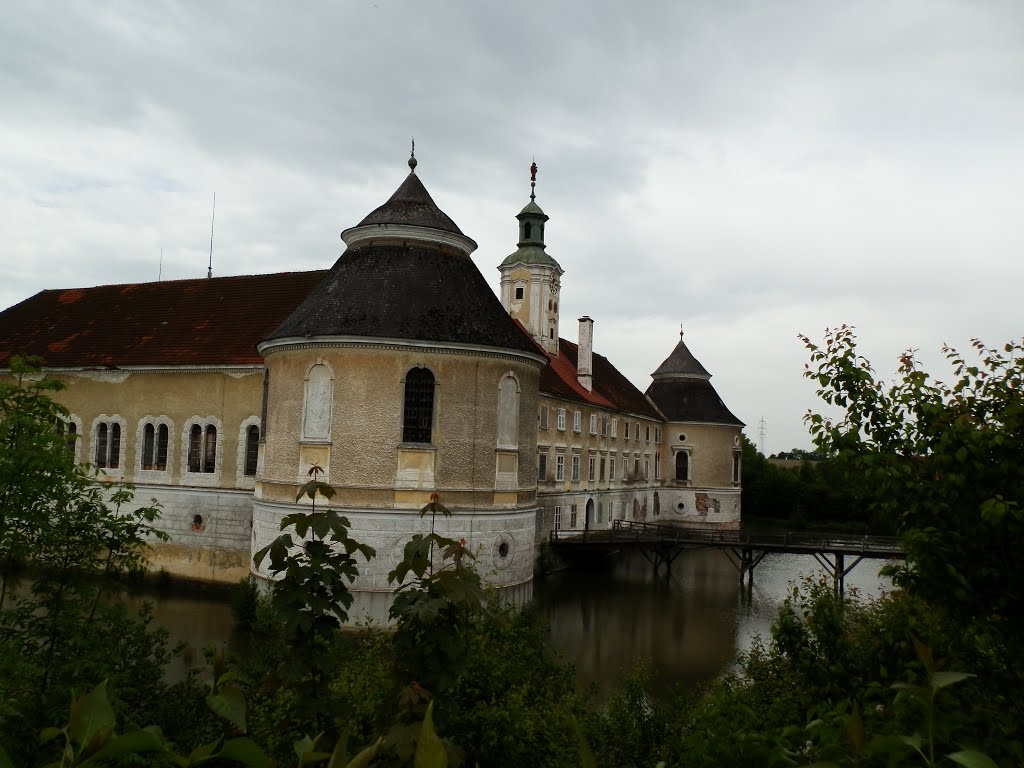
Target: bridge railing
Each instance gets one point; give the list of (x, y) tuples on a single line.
[(667, 533)]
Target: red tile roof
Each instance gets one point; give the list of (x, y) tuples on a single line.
[(611, 388), (215, 321)]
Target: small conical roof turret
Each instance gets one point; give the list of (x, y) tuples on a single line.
[(681, 364)]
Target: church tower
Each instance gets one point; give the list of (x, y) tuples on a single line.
[(530, 278)]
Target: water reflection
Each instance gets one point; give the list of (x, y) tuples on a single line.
[(690, 626)]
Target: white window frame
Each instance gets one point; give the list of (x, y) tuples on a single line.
[(611, 468), (559, 467), (592, 469), (206, 479), (560, 421), (558, 517), (575, 476), (243, 480), (615, 427), (593, 423), (577, 422)]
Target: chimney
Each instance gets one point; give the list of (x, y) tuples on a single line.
[(585, 355)]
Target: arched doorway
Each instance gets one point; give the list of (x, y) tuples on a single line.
[(590, 514)]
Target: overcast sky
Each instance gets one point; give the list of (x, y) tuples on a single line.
[(750, 170)]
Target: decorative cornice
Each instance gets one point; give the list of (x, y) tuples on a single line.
[(397, 345), (369, 232)]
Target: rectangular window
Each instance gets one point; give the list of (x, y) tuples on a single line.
[(560, 423), (625, 430), (625, 468), (575, 469), (558, 518), (577, 421), (657, 466), (600, 511), (647, 436), (559, 467), (657, 435), (543, 417), (636, 468), (611, 469), (519, 293), (572, 516), (592, 469), (615, 427), (593, 423), (647, 468), (602, 468), (736, 466), (542, 467)]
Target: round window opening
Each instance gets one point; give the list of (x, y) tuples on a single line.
[(680, 506), (503, 550), (682, 438), (197, 523)]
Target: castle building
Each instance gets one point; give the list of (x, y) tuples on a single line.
[(401, 374)]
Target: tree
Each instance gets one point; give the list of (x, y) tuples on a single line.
[(947, 461)]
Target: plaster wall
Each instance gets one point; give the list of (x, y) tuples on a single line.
[(228, 399)]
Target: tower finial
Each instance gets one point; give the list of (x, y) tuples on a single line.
[(412, 157), (680, 331), (533, 180)]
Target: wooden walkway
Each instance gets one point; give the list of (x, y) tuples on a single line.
[(662, 543)]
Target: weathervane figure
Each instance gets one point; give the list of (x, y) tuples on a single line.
[(533, 180), (412, 157)]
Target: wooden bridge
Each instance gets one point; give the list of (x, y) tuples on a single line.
[(662, 543)]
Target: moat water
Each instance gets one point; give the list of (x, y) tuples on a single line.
[(689, 627)]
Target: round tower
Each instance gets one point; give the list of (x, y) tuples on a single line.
[(402, 376), (703, 438)]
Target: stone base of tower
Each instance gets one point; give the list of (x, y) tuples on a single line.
[(501, 540)]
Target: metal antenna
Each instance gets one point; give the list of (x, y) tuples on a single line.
[(213, 215), (762, 432)]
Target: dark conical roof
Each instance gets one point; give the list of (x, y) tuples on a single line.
[(411, 204), (681, 363), (690, 400), (413, 291), (683, 391), (419, 288)]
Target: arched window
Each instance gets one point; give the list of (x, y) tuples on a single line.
[(102, 441), (528, 229), (148, 446), (418, 411), (154, 447), (195, 447), (202, 448), (508, 413), (682, 467), (210, 451), (108, 445), (316, 422), (252, 449)]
